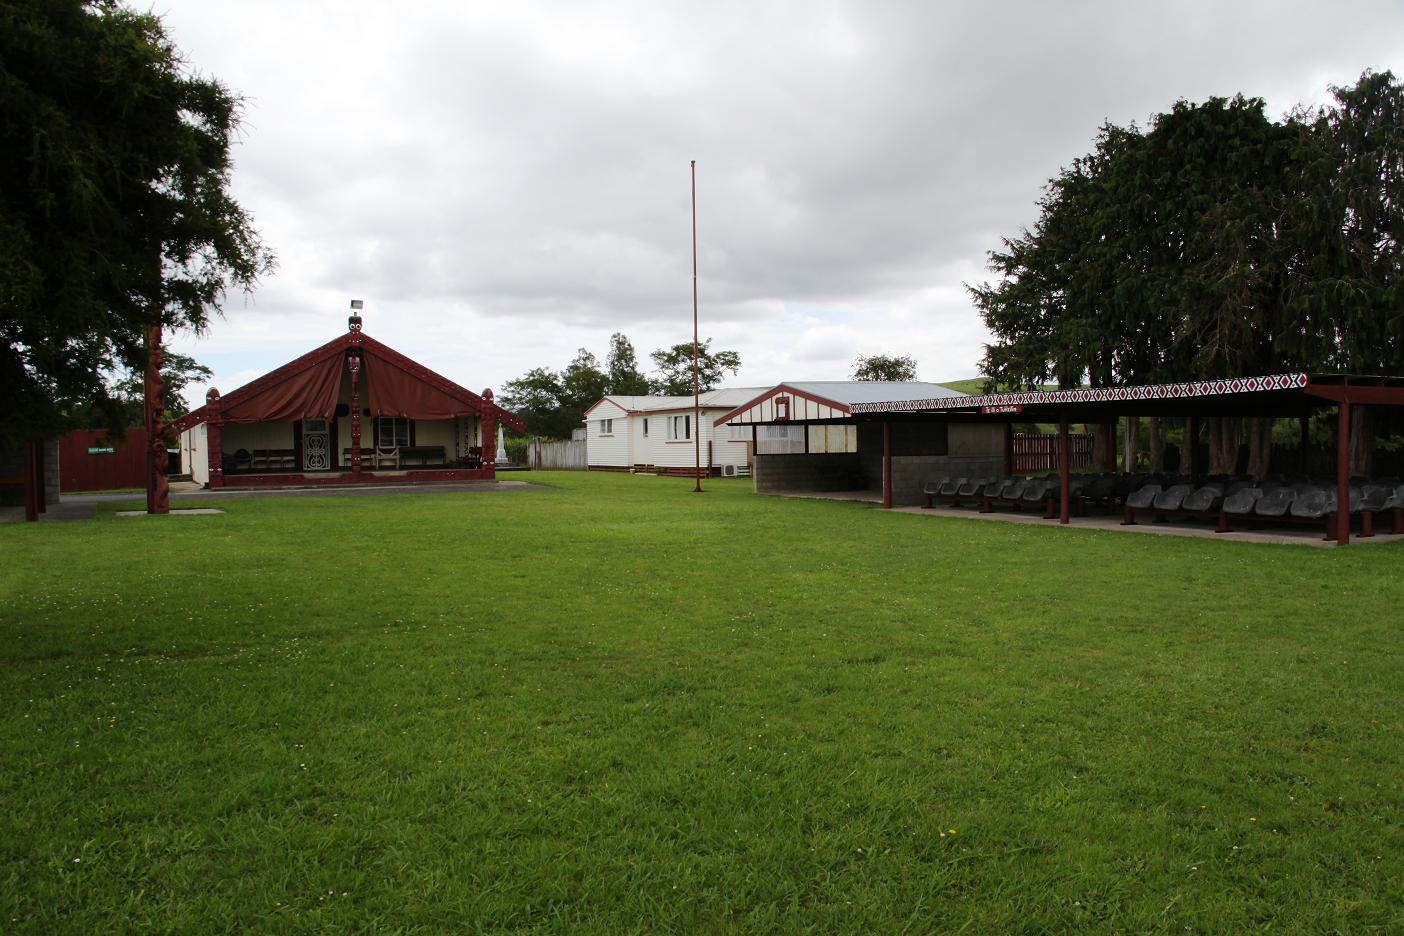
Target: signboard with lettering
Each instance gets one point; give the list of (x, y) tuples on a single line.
[(1003, 408), (101, 450)]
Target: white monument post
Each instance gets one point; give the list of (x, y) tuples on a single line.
[(501, 461)]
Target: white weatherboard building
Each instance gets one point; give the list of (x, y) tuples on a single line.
[(625, 433)]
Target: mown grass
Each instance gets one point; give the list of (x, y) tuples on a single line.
[(617, 706)]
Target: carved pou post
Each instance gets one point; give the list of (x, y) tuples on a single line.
[(489, 441), (157, 488), (214, 439)]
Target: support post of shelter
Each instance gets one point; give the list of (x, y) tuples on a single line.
[(1189, 458), (1008, 448), (1064, 465), (31, 481), (886, 464), (1343, 475)]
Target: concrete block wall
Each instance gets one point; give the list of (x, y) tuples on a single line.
[(779, 473), (910, 473)]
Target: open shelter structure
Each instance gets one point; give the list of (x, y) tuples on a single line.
[(888, 423), (352, 411)]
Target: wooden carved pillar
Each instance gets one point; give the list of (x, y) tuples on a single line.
[(353, 327), (489, 430), (157, 488), (354, 364), (214, 439)]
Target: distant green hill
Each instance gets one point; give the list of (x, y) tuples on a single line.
[(971, 385), (976, 385)]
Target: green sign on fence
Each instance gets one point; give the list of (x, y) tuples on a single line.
[(101, 450)]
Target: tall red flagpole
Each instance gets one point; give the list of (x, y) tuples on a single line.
[(696, 384)]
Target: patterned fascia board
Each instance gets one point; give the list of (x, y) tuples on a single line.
[(1198, 388)]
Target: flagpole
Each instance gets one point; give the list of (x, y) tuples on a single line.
[(696, 383)]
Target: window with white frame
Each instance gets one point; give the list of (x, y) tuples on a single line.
[(392, 432), (606, 427), (680, 428), (780, 440), (645, 427)]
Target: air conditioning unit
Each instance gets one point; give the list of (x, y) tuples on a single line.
[(728, 471)]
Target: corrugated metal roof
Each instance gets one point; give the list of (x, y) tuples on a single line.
[(849, 392), (711, 399)]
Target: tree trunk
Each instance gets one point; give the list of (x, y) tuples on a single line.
[(1131, 447), (1104, 446), (1223, 444), (1157, 445), (1260, 447), (1362, 441)]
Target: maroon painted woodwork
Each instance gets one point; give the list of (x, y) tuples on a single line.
[(214, 438), (124, 467), (1353, 393), (1064, 467), (489, 428), (886, 464), (1343, 475), (787, 391), (157, 488), (332, 478), (353, 363), (352, 347)]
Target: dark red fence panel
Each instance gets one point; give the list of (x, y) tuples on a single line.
[(89, 461), (1038, 452)]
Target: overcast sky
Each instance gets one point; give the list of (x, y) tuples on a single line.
[(503, 183)]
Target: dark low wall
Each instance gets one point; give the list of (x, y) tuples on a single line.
[(776, 474), (929, 451)]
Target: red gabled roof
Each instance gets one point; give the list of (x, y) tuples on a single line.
[(353, 338)]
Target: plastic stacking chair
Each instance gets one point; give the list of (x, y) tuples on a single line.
[(1172, 497), (1275, 502), (1206, 499)]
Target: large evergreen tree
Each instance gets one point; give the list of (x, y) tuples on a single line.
[(1215, 243), (622, 368), (675, 368), (114, 204)]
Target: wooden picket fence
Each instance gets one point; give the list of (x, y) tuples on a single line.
[(1034, 451), (556, 456)]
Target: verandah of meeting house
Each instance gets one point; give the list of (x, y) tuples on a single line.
[(1279, 396), (351, 411)]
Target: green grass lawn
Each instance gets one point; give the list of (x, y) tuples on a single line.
[(616, 706)]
